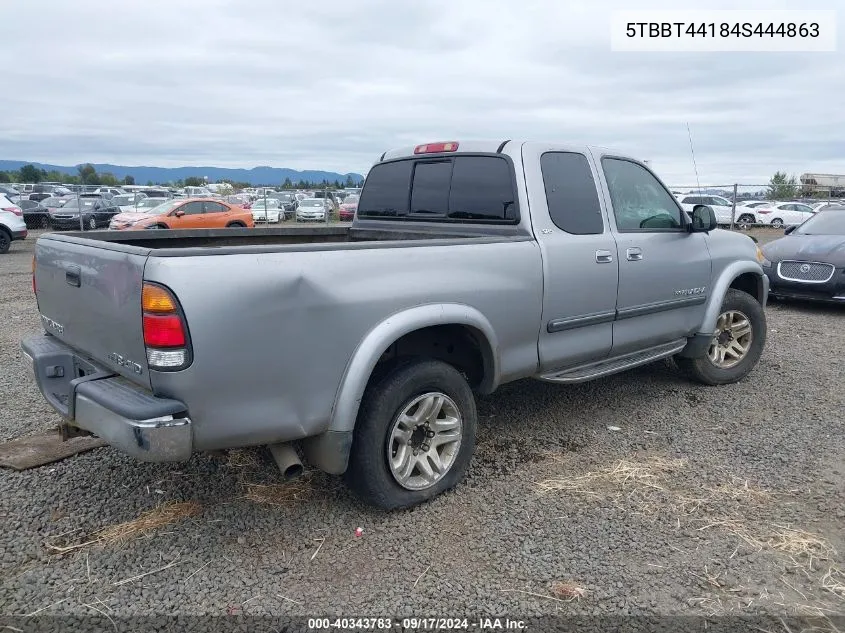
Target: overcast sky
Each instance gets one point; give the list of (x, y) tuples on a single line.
[(331, 85)]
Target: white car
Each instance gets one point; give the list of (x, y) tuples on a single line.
[(12, 226), (128, 202), (722, 207), (268, 210), (784, 213), (312, 210)]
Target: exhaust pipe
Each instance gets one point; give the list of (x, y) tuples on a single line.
[(287, 460)]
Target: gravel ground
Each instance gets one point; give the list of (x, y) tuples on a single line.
[(725, 500)]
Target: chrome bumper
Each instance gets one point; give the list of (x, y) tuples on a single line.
[(95, 399)]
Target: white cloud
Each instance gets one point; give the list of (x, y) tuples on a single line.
[(331, 85)]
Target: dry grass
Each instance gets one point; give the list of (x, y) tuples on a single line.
[(650, 473), (800, 544), (158, 517), (243, 458), (277, 494), (567, 590), (834, 581)]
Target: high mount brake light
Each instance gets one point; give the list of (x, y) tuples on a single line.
[(436, 148)]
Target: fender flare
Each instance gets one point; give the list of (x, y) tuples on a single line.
[(372, 346), (720, 289)]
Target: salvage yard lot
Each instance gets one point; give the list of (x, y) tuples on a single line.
[(718, 500)]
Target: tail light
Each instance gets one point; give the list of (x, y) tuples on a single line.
[(165, 330), (14, 210), (764, 211)]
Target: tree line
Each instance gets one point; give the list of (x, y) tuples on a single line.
[(88, 175)]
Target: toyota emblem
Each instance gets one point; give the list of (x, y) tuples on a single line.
[(805, 268)]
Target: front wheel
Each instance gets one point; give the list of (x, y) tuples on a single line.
[(414, 436), (737, 342), (777, 223), (92, 224)]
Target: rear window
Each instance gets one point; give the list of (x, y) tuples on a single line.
[(460, 188)]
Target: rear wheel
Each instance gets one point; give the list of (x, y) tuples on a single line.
[(745, 220), (414, 436), (44, 223), (777, 223), (92, 223), (5, 241), (737, 342)]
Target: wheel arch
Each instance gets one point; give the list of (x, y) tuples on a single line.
[(746, 276), (329, 451)]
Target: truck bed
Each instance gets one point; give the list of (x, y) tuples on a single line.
[(269, 239)]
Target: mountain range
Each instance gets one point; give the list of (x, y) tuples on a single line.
[(142, 175)]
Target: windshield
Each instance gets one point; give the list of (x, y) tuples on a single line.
[(311, 203), (124, 200), (823, 223), (149, 203), (53, 203), (166, 207)]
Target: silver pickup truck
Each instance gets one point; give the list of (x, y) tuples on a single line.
[(468, 265)]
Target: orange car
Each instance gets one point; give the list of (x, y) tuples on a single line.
[(185, 213)]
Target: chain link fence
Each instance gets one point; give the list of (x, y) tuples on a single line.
[(741, 206)]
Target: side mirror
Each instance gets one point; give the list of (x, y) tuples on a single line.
[(703, 219), (178, 214), (789, 229)]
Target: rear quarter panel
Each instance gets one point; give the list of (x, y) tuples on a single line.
[(273, 332)]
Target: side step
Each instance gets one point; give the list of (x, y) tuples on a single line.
[(614, 365)]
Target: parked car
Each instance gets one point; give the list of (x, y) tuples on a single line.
[(722, 207), (35, 214), (108, 192), (10, 193), (313, 210), (809, 261), (267, 210), (288, 202), (12, 225), (784, 213), (557, 262), (189, 213), (96, 212), (348, 208), (128, 201)]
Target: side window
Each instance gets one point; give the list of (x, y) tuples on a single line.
[(482, 189), (386, 190), (430, 190), (216, 207), (571, 193), (640, 203), (191, 208)]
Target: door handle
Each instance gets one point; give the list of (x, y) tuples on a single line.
[(634, 254), (604, 257)]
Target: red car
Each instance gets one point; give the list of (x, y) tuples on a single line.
[(348, 208)]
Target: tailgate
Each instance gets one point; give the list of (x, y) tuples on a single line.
[(89, 296)]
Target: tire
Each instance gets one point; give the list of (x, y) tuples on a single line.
[(707, 371), (369, 473), (745, 220), (5, 241), (235, 225), (157, 227), (44, 223), (776, 222), (91, 225)]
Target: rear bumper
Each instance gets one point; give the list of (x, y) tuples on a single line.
[(19, 235), (96, 400)]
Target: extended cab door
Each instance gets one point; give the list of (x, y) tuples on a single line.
[(664, 270), (580, 271)]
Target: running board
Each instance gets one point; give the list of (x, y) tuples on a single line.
[(614, 365)]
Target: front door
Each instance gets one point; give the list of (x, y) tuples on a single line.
[(192, 218), (664, 270), (580, 271)]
